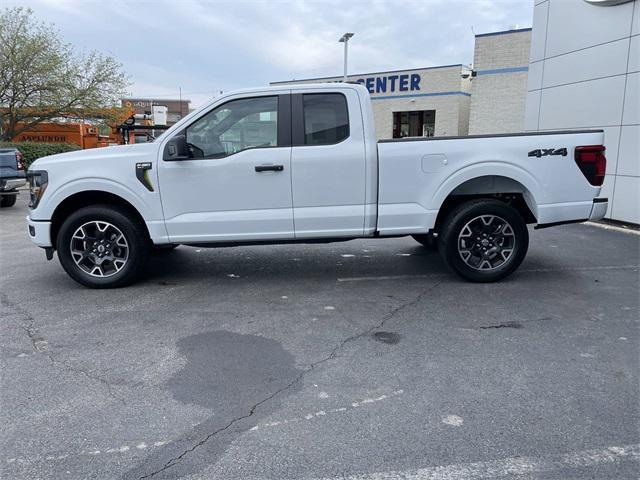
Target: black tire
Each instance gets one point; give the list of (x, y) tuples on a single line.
[(132, 231), (8, 200), (479, 252), (427, 240)]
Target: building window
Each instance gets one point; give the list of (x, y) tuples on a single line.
[(419, 123)]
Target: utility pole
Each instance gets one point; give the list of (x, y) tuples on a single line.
[(345, 39)]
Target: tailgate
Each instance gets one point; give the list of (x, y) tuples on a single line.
[(9, 164)]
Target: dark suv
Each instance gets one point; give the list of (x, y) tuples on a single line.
[(12, 175)]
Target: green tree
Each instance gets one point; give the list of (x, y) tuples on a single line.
[(42, 78)]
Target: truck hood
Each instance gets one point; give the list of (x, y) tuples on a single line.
[(103, 154)]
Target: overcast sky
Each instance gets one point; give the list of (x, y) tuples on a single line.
[(206, 46)]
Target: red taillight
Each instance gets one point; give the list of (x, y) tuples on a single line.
[(592, 163), (19, 161)]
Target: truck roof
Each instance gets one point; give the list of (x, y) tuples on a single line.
[(300, 86)]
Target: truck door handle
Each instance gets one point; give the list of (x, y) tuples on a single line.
[(269, 168)]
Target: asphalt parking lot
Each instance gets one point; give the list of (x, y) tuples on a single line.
[(364, 360)]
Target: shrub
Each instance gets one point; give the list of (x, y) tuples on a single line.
[(31, 151)]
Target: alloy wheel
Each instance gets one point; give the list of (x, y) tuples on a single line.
[(99, 248), (486, 242)]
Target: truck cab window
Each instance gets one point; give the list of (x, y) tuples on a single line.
[(326, 119), (235, 126)]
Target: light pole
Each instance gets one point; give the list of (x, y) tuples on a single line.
[(345, 39)]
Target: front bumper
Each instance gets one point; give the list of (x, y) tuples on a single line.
[(39, 232), (12, 184), (599, 208)]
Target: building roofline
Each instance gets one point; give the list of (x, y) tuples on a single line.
[(155, 99), (503, 32), (368, 73)]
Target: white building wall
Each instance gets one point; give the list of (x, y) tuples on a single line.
[(498, 92), (585, 73)]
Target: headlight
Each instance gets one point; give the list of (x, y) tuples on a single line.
[(38, 180)]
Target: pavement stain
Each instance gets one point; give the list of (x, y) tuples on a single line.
[(237, 352), (262, 370), (390, 338)]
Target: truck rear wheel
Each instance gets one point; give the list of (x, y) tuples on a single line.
[(484, 240), (102, 247)]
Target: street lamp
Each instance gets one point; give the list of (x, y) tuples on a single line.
[(345, 39)]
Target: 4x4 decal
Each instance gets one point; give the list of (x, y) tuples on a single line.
[(543, 152)]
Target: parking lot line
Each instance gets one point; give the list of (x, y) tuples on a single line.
[(391, 277), (522, 270), (324, 413), (91, 452), (608, 226), (510, 467)]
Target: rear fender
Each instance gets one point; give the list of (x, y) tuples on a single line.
[(533, 192)]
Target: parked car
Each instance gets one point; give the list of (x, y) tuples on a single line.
[(302, 164), (12, 175)]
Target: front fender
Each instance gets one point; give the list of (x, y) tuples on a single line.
[(52, 199)]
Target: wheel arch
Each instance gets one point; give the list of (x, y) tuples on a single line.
[(86, 198), (500, 187)]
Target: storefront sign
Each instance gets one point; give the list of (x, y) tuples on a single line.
[(391, 83)]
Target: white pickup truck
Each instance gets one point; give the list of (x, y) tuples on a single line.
[(302, 164)]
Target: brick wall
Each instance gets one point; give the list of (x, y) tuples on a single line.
[(498, 91)]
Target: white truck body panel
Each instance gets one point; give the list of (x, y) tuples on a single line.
[(417, 176), (225, 199), (107, 169), (329, 181), (355, 188)]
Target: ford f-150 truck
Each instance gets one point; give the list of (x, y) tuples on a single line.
[(302, 164)]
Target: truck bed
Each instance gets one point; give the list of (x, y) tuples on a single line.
[(416, 175), (488, 135)]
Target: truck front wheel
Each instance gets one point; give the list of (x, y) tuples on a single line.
[(484, 240), (101, 246)]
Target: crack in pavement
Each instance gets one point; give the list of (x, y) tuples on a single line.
[(39, 345), (173, 461), (332, 355), (502, 325)]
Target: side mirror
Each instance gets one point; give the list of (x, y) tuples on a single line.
[(176, 148)]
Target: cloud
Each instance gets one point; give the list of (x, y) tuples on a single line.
[(206, 46)]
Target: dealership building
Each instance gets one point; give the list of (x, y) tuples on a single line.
[(421, 102), (447, 100), (578, 67), (452, 100)]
